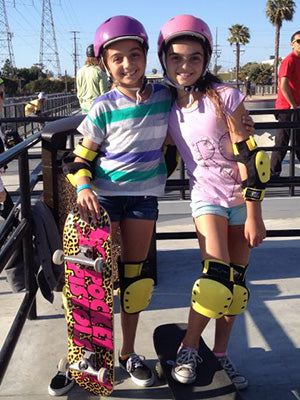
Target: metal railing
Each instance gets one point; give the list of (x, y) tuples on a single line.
[(55, 106), (10, 240)]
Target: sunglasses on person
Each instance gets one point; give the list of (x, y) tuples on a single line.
[(297, 41), (1, 95)]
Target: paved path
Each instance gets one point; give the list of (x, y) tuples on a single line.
[(265, 340)]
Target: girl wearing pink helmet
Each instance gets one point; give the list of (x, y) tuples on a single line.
[(123, 133), (206, 126)]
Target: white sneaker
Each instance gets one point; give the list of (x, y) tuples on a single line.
[(184, 370), (61, 384)]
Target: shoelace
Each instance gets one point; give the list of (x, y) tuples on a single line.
[(188, 358), (228, 366), (133, 362), (66, 375)]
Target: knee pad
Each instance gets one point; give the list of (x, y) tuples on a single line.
[(212, 294), (241, 293), (136, 286)]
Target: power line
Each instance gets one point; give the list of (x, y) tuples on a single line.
[(216, 52), (75, 54)]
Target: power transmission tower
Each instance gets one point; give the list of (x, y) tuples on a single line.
[(6, 50), (216, 53), (75, 55), (48, 46)]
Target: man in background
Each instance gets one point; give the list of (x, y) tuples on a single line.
[(91, 81), (288, 98)]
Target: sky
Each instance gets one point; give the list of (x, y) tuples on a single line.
[(84, 17)]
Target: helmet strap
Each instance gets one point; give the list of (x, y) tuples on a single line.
[(139, 90)]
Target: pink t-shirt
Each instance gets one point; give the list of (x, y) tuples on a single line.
[(204, 144)]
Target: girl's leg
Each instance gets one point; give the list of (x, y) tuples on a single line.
[(136, 236), (212, 236), (239, 253)]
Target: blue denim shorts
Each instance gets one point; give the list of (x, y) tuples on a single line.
[(235, 215), (138, 207)]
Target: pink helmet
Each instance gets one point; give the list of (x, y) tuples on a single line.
[(115, 28), (184, 25)]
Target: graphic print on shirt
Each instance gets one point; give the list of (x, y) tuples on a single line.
[(218, 157)]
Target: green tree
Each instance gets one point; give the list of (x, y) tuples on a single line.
[(258, 73), (8, 69), (239, 35), (277, 11)]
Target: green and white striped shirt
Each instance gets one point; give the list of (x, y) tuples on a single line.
[(131, 136)]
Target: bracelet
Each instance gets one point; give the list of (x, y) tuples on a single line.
[(86, 186)]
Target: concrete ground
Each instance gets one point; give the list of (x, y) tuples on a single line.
[(265, 341)]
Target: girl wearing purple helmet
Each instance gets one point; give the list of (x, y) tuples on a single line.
[(124, 132), (205, 125)]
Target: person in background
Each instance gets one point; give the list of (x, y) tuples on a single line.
[(248, 86), (91, 81), (288, 97), (226, 188), (35, 107)]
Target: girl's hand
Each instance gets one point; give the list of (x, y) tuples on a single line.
[(255, 231), (248, 122), (88, 205), (2, 196)]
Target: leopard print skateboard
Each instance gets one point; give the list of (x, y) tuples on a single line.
[(88, 302)]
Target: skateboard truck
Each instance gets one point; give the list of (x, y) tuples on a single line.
[(84, 257), (85, 365)]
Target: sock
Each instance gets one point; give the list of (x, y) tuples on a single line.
[(220, 354), (125, 356)]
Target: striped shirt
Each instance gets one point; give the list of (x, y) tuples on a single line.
[(130, 161)]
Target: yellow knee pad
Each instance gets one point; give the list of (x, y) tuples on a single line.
[(212, 294), (240, 291), (136, 286)]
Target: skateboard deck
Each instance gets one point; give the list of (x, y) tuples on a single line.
[(212, 381), (88, 302)]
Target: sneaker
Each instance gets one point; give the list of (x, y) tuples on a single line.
[(239, 380), (61, 384), (184, 370), (140, 374)]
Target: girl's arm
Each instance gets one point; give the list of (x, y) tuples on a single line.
[(255, 230), (86, 199)]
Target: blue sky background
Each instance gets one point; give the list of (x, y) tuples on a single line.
[(84, 16)]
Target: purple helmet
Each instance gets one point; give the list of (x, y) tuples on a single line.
[(116, 28)]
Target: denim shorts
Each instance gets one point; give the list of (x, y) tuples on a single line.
[(235, 215), (138, 207)]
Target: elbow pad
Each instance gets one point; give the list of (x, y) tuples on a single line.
[(258, 168)]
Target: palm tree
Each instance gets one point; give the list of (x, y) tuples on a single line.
[(277, 11), (239, 36)]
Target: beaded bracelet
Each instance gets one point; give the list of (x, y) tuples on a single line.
[(86, 186)]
